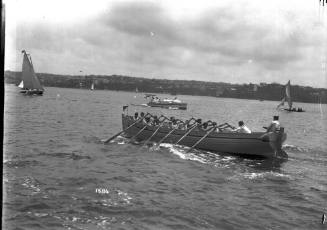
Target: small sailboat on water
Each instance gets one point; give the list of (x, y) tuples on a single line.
[(287, 98), (92, 86), (30, 83)]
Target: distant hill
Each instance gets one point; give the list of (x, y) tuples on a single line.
[(260, 91)]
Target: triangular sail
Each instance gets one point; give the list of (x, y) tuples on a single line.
[(92, 86), (21, 85), (30, 80), (288, 94)]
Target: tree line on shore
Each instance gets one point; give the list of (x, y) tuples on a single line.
[(262, 91)]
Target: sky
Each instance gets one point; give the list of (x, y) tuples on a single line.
[(244, 41)]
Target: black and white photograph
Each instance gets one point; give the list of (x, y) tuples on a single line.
[(164, 114)]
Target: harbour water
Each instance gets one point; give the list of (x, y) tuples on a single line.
[(59, 175)]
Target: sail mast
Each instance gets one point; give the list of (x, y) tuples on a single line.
[(288, 94)]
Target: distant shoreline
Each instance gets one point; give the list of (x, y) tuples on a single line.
[(261, 92)]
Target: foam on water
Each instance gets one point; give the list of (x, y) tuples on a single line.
[(199, 156), (293, 148), (253, 176)]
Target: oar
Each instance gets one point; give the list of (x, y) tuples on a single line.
[(190, 130), (138, 133), (153, 133), (116, 135), (170, 132), (164, 138), (208, 132)]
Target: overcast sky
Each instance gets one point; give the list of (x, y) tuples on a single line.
[(223, 41)]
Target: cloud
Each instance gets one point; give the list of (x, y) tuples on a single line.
[(144, 39)]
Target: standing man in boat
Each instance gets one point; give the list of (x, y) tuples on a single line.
[(274, 125), (242, 128)]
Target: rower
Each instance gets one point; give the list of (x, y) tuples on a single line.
[(136, 115), (274, 125), (148, 121), (174, 124), (181, 125), (242, 128), (204, 126), (199, 124), (155, 120)]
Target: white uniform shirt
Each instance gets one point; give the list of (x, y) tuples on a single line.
[(243, 129), (276, 123)]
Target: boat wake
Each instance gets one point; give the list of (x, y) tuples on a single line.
[(271, 175), (120, 140), (200, 156), (221, 160), (294, 148)]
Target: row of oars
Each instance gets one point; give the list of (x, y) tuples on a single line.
[(188, 131)]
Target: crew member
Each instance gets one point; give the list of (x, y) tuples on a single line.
[(242, 128), (274, 125), (136, 115)]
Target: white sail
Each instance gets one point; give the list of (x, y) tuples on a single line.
[(288, 94), (21, 85), (30, 80), (92, 86)]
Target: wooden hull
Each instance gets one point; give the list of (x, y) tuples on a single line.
[(168, 105), (294, 110), (258, 144), (32, 92)]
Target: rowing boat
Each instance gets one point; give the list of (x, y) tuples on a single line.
[(262, 144)]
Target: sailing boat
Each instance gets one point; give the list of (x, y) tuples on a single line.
[(30, 83), (92, 86), (287, 98)]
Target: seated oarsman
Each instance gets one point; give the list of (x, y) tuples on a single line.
[(274, 125), (242, 128), (143, 118), (147, 121), (174, 124), (155, 120), (189, 123), (199, 124), (204, 126), (181, 126), (136, 115)]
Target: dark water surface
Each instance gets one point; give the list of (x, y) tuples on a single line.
[(58, 174)]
